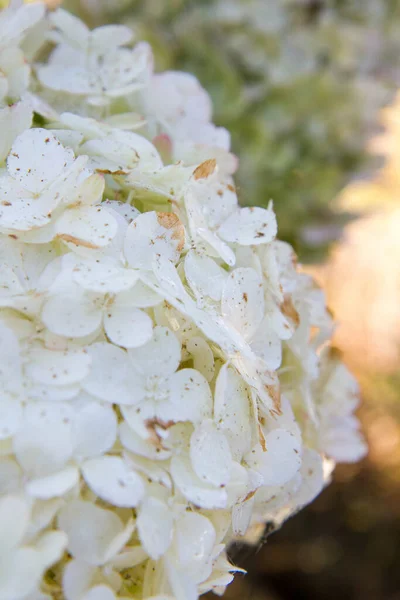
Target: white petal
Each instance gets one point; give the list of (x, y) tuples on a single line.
[(155, 526), (73, 31), (203, 357), (266, 344), (110, 378), (10, 362), (87, 226), (169, 283), (147, 237), (57, 368), (71, 316), (243, 301), (193, 489), (92, 531), (100, 592), (190, 397), (103, 38), (43, 514), (20, 211), (14, 520), (194, 542), (159, 356), (127, 211), (282, 459), (53, 485), (37, 158), (151, 471), (94, 429), (221, 248), (204, 276), (139, 296), (43, 444), (182, 585), (232, 410), (136, 444), (111, 479), (126, 326), (77, 577), (51, 547), (14, 120), (10, 416), (10, 475), (210, 454), (20, 573), (103, 276), (249, 226), (312, 478)]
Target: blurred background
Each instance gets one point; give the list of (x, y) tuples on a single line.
[(308, 89)]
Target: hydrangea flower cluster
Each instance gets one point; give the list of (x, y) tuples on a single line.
[(166, 380)]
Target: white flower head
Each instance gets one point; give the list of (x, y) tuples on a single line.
[(160, 392)]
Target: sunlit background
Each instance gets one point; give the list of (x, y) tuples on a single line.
[(308, 90)]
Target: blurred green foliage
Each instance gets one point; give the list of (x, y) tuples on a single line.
[(297, 82)]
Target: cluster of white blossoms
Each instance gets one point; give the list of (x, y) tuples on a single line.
[(165, 378)]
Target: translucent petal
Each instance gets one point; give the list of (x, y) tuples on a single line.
[(87, 226), (282, 459), (73, 31), (14, 520), (232, 410), (51, 547), (100, 592), (22, 212), (20, 573), (111, 479), (10, 475), (190, 397), (10, 362), (57, 368), (266, 344), (43, 444), (204, 276), (182, 585), (193, 544), (159, 356), (210, 454), (94, 429), (103, 276), (53, 485), (243, 301), (103, 38), (203, 357), (71, 316), (169, 281), (91, 530), (37, 158), (249, 226), (147, 236), (193, 489), (155, 526), (139, 296), (221, 248), (136, 444), (14, 120), (312, 478), (127, 211), (127, 326), (10, 416), (110, 378), (77, 577)]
